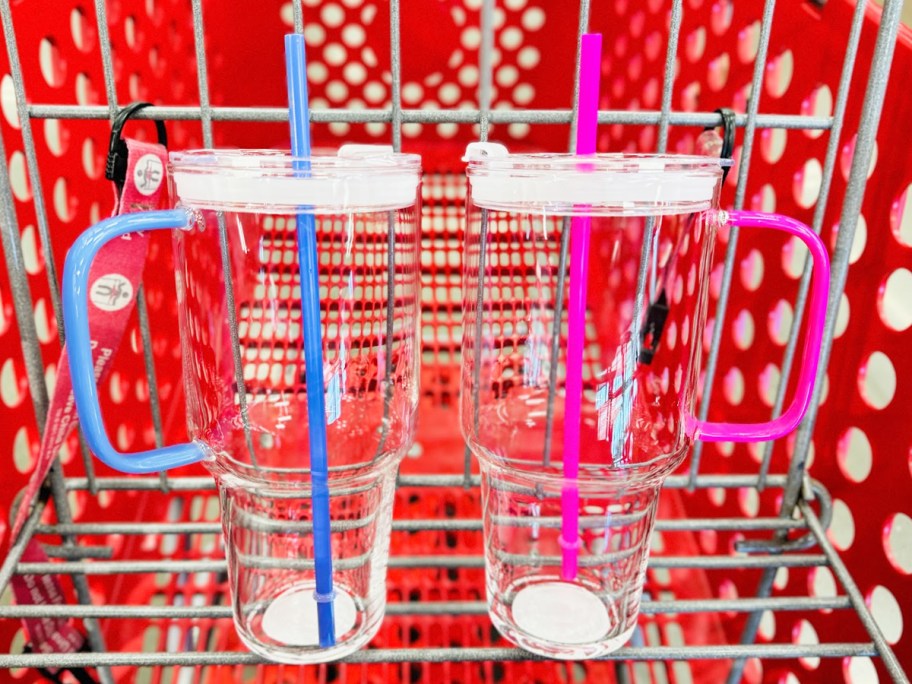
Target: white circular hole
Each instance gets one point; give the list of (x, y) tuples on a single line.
[(317, 72), (353, 36), (769, 384), (842, 528), (767, 627), (877, 380), (8, 101), (780, 322), (820, 104), (335, 54), (859, 670), (717, 72), (772, 144), (886, 612), (895, 301), (523, 94), (898, 542), (506, 75), (855, 455), (842, 316), (528, 57), (734, 386), (779, 73), (471, 38), (533, 19), (805, 634), (32, 257), (695, 44), (822, 583), (807, 182), (511, 38), (332, 15), (19, 182), (412, 92), (901, 217), (24, 451), (314, 35), (752, 270), (51, 63), (743, 329)]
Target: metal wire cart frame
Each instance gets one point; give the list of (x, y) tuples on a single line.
[(437, 534)]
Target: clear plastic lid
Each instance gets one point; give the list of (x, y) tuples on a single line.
[(596, 185), (359, 179)]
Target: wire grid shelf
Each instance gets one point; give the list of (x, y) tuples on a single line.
[(662, 650)]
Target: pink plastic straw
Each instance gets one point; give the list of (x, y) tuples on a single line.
[(587, 123)]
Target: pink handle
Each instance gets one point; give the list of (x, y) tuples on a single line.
[(810, 355)]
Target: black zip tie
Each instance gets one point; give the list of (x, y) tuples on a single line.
[(728, 136), (116, 164)]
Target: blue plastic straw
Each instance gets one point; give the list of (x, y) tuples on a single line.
[(296, 74)]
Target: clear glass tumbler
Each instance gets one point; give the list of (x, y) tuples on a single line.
[(586, 284), (240, 312)]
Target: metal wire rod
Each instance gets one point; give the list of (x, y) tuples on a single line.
[(8, 568), (396, 73), (442, 655), (829, 166), (747, 147), (848, 222), (408, 608), (417, 525), (460, 116), (671, 51), (423, 561), (31, 166), (188, 484)]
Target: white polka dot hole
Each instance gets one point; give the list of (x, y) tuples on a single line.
[(847, 156), (752, 270), (842, 527), (894, 303), (807, 182), (877, 380), (886, 612), (695, 44), (855, 455), (859, 670), (717, 72), (901, 217), (803, 633), (51, 62), (819, 103), (748, 42), (897, 542), (779, 73), (822, 584)]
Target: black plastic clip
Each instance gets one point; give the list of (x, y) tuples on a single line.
[(116, 165), (728, 136), (652, 331)]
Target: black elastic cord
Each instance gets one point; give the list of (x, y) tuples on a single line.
[(116, 164), (728, 136)]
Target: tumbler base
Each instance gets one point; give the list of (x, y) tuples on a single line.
[(559, 619), (288, 624)]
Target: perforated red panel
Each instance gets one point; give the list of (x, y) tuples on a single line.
[(863, 442)]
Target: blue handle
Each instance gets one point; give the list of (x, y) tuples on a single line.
[(76, 321)]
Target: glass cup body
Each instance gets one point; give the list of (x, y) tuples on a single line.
[(239, 295), (637, 388)]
